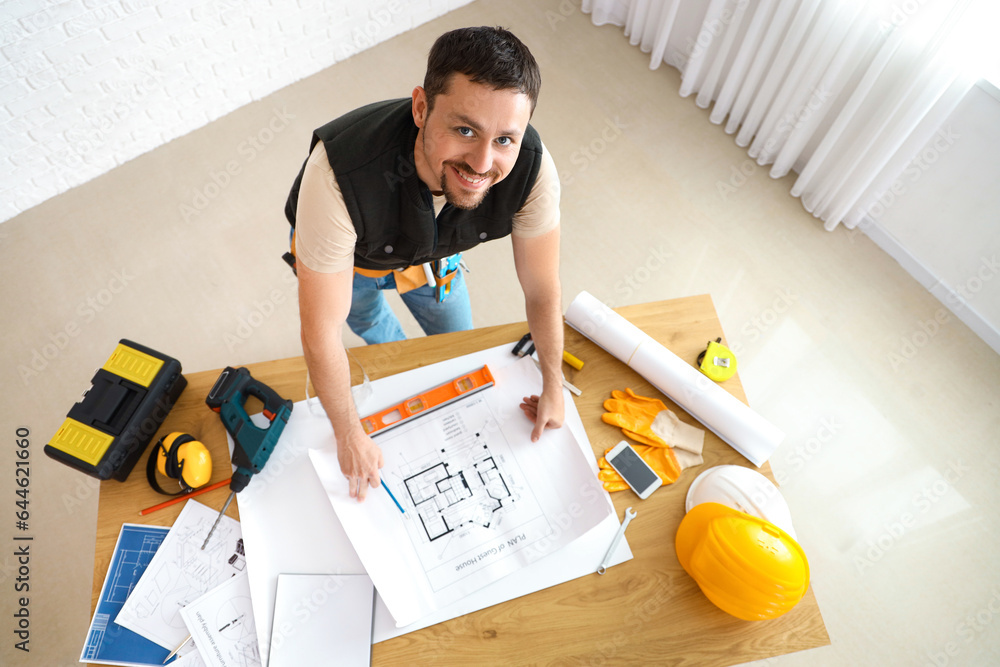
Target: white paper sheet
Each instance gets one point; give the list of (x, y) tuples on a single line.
[(317, 616), (180, 572), (221, 624), (192, 659), (482, 500), (587, 551), (732, 420), (289, 525)]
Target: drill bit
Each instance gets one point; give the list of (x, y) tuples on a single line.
[(232, 494)]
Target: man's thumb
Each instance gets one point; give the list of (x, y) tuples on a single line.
[(536, 432)]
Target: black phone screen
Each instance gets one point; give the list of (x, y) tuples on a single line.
[(633, 469)]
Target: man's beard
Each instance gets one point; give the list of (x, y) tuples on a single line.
[(460, 198)]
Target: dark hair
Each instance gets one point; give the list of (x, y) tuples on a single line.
[(492, 56)]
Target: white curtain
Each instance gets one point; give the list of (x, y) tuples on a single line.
[(842, 92)]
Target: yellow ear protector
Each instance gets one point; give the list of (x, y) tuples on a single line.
[(179, 456), (717, 361)]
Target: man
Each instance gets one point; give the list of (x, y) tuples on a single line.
[(392, 190)]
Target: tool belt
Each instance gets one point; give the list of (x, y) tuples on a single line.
[(407, 279)]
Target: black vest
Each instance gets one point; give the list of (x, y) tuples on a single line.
[(371, 152)]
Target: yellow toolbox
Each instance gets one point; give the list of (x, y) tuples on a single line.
[(106, 432)]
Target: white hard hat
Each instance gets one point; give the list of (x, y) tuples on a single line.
[(744, 490)]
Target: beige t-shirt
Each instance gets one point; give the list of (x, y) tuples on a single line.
[(325, 236)]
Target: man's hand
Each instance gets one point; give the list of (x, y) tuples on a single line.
[(360, 459), (546, 411)]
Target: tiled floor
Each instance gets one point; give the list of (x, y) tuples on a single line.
[(891, 460)]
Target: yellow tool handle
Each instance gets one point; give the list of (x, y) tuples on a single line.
[(572, 361)]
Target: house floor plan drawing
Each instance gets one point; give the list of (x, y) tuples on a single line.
[(467, 489), (470, 506), (464, 489), (479, 500)]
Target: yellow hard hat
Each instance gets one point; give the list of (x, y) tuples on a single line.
[(746, 566)]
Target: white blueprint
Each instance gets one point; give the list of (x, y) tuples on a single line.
[(221, 623), (180, 572), (481, 500), (469, 501), (289, 525)]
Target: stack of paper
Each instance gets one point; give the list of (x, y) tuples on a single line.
[(158, 575), (282, 538), (181, 572)]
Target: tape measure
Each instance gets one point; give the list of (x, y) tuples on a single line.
[(179, 456), (432, 399), (717, 361)]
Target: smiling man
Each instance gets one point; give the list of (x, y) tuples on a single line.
[(390, 196)]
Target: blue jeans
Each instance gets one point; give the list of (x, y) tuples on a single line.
[(373, 319)]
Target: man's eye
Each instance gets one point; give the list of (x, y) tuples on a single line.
[(465, 131), (504, 141)]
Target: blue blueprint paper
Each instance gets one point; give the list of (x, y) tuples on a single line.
[(108, 642)]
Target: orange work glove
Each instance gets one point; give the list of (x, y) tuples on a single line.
[(649, 421), (660, 459)]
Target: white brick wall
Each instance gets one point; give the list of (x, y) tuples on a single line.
[(81, 79)]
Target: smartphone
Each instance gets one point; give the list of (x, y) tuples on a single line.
[(636, 472)]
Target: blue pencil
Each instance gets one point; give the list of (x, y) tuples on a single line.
[(393, 497)]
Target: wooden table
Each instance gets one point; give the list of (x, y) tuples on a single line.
[(644, 611)]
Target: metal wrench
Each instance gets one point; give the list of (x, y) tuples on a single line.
[(629, 515)]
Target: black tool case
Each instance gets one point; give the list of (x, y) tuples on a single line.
[(107, 431)]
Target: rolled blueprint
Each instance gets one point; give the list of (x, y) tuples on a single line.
[(729, 418)]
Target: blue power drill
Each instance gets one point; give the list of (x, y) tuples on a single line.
[(252, 445)]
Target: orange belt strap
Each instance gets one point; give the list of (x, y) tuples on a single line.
[(407, 279), (373, 273)]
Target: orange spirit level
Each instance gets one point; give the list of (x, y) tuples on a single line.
[(432, 399)]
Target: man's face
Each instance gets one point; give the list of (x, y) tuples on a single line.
[(470, 140)]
